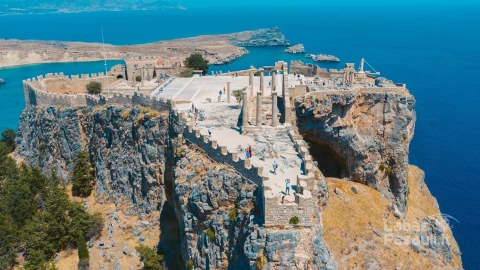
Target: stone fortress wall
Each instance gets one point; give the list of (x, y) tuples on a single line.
[(274, 212), (36, 93)]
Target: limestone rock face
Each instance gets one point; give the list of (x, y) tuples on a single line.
[(126, 147), (370, 130), (219, 212)]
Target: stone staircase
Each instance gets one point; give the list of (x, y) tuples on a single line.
[(274, 212)]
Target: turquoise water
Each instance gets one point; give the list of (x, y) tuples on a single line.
[(434, 50), (12, 101)]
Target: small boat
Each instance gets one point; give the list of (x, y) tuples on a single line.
[(2, 81)]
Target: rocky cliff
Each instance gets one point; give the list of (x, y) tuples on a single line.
[(220, 218), (367, 132), (126, 146)]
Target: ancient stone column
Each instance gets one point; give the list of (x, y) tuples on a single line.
[(274, 80), (274, 109), (262, 79), (228, 92), (245, 110), (219, 99), (250, 78), (259, 109)]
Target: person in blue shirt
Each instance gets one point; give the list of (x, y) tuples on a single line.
[(287, 186)]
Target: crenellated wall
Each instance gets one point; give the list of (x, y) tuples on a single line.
[(274, 212), (36, 95)]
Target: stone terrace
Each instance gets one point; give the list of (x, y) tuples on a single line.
[(231, 136)]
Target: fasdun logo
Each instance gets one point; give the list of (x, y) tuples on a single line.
[(428, 232)]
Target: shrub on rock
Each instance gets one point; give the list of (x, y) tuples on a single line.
[(94, 87), (82, 176)]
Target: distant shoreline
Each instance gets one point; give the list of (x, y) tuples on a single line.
[(218, 49)]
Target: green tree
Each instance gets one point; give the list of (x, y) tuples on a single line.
[(187, 73), (82, 176), (238, 94), (82, 252), (150, 258), (197, 62), (8, 137), (138, 78), (94, 87)]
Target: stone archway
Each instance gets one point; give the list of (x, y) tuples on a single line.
[(120, 76)]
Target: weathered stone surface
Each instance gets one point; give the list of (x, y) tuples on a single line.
[(370, 130), (127, 154)]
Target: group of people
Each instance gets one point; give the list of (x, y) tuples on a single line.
[(248, 152), (197, 113)]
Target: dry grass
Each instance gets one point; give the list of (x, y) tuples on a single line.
[(349, 227), (69, 259)]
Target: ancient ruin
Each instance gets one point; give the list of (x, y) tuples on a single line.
[(209, 123)]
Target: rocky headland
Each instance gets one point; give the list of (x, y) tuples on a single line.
[(323, 58), (218, 49), (299, 48), (159, 180)]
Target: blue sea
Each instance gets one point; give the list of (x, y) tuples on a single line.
[(433, 49)]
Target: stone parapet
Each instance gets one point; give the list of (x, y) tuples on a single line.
[(36, 95)]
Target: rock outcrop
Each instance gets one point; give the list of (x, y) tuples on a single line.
[(299, 48), (369, 131), (260, 38), (361, 232), (126, 147), (323, 58), (220, 213)]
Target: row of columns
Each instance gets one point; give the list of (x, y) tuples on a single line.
[(259, 109), (245, 116)]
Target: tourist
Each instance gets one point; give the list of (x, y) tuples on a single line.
[(275, 166), (224, 90), (250, 151), (269, 83), (209, 131), (220, 92), (193, 108), (247, 154), (287, 186), (284, 201)]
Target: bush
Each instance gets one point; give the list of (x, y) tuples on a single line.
[(125, 114), (381, 167), (82, 252), (138, 78), (190, 264), (187, 73), (151, 260), (261, 261), (97, 223), (196, 62), (210, 234), (238, 94), (94, 87), (294, 220), (8, 137), (388, 171), (232, 215), (82, 176)]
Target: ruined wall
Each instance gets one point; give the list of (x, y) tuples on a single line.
[(371, 129), (36, 95)]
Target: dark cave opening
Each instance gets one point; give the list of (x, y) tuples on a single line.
[(330, 162)]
